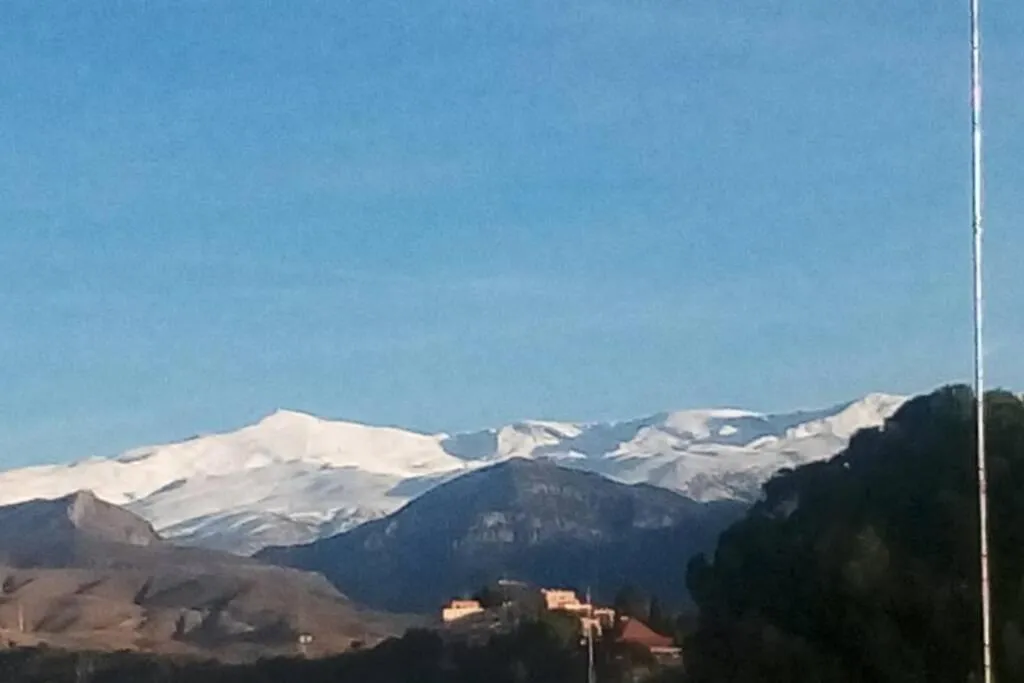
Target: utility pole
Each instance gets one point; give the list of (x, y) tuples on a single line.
[(979, 355), (590, 639)]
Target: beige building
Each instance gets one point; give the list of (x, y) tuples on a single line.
[(460, 609), (592, 618), (558, 599)]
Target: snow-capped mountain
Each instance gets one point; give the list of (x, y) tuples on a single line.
[(292, 477)]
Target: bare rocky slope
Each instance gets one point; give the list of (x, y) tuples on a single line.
[(78, 572)]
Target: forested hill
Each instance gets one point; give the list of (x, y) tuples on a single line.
[(865, 568)]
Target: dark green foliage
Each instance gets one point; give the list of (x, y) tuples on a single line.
[(543, 651), (657, 619), (562, 628), (489, 597), (630, 601), (865, 568)]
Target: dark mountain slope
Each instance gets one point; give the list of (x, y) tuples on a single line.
[(524, 519)]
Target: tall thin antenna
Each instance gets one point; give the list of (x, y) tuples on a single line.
[(979, 355)]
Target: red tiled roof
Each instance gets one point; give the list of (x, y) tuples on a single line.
[(636, 631)]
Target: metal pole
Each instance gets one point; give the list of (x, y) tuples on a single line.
[(590, 638), (979, 360)]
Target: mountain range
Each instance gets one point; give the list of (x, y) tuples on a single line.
[(293, 478)]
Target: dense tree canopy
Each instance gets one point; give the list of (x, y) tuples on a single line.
[(865, 568), (546, 650)]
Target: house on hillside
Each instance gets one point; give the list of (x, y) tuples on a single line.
[(592, 618), (504, 606), (460, 609), (561, 599), (661, 647)]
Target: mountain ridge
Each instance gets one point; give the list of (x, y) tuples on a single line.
[(292, 477)]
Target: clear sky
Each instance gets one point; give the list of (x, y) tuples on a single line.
[(453, 214)]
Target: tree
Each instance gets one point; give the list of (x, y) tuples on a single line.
[(559, 627), (631, 602), (489, 597), (657, 619), (865, 567)]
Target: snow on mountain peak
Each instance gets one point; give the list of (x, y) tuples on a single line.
[(284, 419), (292, 477), (704, 425), (843, 421)]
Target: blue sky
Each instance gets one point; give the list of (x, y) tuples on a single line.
[(448, 215)]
